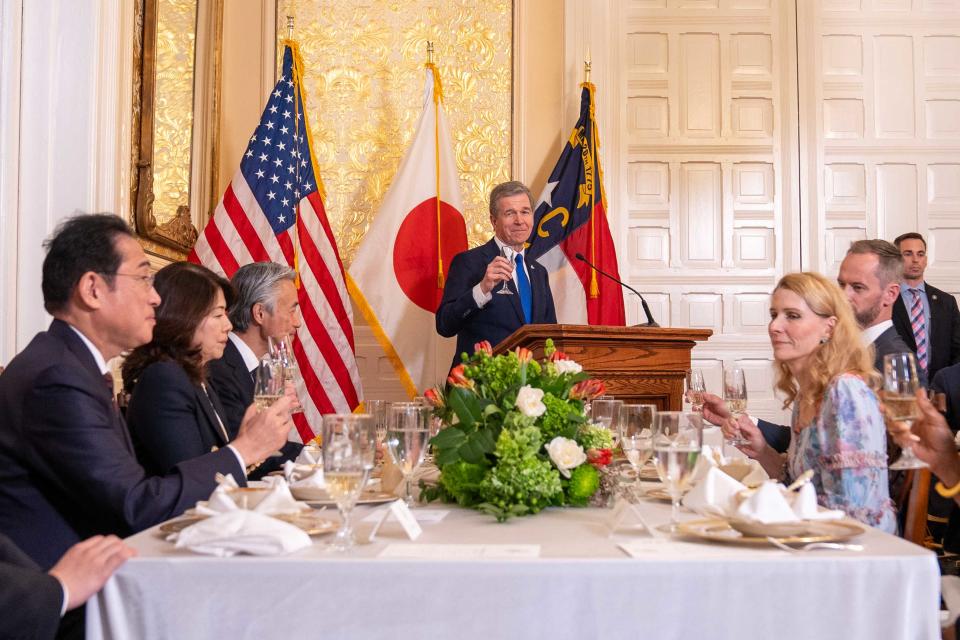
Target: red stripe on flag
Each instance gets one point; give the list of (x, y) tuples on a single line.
[(321, 212), (314, 387), (246, 231), (220, 248), (327, 284), (286, 246), (303, 427), (607, 307), (327, 349)]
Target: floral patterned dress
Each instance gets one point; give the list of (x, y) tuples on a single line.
[(846, 446)]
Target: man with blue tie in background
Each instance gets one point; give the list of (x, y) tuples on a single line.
[(472, 307)]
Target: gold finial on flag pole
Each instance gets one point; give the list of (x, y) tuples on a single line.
[(586, 67), (429, 52), (290, 27)]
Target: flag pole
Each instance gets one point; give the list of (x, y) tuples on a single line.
[(437, 96), (594, 285), (296, 208)]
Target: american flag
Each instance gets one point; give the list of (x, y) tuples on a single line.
[(273, 211)]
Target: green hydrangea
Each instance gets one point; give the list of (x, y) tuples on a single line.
[(461, 480), (593, 436), (583, 483), (520, 477), (560, 419)]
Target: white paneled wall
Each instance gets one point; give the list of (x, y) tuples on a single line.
[(705, 209)]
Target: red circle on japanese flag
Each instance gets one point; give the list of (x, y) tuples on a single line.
[(415, 251)]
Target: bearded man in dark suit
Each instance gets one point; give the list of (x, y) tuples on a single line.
[(472, 308), (67, 467)]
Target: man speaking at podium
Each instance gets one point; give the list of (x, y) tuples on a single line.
[(493, 290)]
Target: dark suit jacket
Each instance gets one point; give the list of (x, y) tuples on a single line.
[(171, 419), (233, 384), (30, 600), (943, 334), (778, 436), (459, 315), (947, 381), (67, 468)]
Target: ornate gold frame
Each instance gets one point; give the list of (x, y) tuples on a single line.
[(175, 238)]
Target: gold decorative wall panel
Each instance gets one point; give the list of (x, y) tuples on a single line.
[(173, 115), (364, 83)]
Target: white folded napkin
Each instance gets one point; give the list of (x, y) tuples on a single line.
[(241, 531), (805, 505), (302, 475), (710, 457), (715, 495), (278, 498), (746, 471), (310, 455)]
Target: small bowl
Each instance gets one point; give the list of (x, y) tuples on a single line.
[(773, 530)]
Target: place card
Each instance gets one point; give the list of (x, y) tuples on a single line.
[(626, 514), (402, 514), (423, 516), (461, 551)]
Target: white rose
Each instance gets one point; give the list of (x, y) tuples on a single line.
[(567, 366), (529, 401), (566, 454)]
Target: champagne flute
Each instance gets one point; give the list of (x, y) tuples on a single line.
[(407, 435), (268, 385), (281, 350), (508, 254), (695, 390), (636, 436), (348, 446), (678, 438), (735, 397), (900, 384)]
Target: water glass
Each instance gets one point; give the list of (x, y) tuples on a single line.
[(349, 447), (607, 414), (407, 433), (636, 435), (677, 440)]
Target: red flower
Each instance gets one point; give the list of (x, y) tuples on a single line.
[(524, 355), (587, 389), (599, 457), (558, 355), (458, 378), (483, 347), (434, 396)]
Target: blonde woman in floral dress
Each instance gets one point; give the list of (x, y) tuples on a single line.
[(827, 374)]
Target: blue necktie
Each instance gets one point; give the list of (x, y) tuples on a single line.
[(523, 286)]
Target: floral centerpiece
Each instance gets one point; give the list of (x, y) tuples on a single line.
[(515, 437)]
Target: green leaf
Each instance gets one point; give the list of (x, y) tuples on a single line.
[(449, 438), (477, 446), (448, 456), (465, 405)]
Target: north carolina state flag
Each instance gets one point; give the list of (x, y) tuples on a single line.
[(397, 276), (571, 219)]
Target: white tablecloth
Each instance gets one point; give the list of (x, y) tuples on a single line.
[(581, 586)]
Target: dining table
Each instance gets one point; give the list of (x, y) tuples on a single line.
[(562, 573)]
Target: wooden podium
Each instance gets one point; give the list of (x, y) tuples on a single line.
[(638, 364)]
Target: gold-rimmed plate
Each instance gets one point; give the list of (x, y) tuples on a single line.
[(312, 524), (657, 494), (719, 530), (317, 498)]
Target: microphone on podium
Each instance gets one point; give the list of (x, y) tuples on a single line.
[(646, 309)]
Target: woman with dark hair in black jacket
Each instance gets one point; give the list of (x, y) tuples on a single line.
[(173, 415)]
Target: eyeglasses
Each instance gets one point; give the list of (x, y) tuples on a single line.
[(145, 280)]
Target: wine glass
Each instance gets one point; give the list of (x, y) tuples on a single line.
[(348, 451), (735, 397), (268, 384), (407, 435), (677, 440), (507, 253), (379, 413), (695, 390), (900, 383), (636, 436)]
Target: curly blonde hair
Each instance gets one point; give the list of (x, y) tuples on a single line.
[(842, 353)]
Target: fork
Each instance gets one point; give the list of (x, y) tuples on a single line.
[(813, 546)]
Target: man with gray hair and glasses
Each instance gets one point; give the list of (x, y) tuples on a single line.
[(266, 306)]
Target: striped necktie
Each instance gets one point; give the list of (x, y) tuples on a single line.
[(919, 328)]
